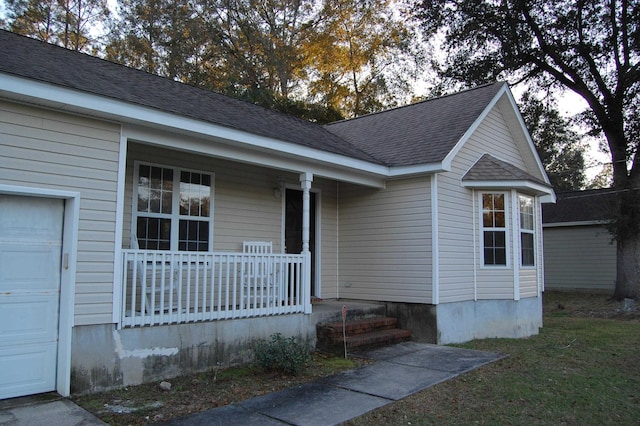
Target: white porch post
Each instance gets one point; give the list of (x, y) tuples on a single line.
[(305, 182)]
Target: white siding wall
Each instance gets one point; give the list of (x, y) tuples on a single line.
[(579, 258), (385, 242), (244, 207), (459, 210), (46, 149)]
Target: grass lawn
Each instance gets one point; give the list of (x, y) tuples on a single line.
[(582, 369)]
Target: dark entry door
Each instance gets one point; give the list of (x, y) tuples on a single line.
[(293, 228)]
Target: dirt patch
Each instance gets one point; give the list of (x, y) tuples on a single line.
[(149, 403)]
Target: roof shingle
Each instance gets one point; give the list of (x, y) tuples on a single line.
[(36, 60), (581, 206), (489, 168), (421, 133)]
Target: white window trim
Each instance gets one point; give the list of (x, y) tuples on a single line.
[(175, 202), (508, 219), (527, 231)]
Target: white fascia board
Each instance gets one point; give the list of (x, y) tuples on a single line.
[(66, 99), (228, 150), (576, 223), (418, 169), (522, 185)]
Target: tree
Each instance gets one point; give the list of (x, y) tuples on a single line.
[(591, 47), (557, 144), (163, 37), (354, 52), (70, 24)]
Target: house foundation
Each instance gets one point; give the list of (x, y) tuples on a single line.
[(104, 357)]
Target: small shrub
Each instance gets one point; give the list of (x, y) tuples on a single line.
[(282, 354)]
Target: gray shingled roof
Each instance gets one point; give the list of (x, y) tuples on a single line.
[(580, 206), (33, 59), (489, 168), (420, 133)]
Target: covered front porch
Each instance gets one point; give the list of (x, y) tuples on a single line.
[(206, 238)]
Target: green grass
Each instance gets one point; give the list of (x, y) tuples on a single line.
[(577, 371)]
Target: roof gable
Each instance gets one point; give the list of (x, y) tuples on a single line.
[(421, 133), (489, 168)]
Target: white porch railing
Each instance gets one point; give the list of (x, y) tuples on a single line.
[(161, 287)]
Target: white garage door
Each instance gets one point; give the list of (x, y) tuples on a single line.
[(30, 252)]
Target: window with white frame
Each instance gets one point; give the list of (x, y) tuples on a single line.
[(494, 229), (527, 234), (172, 208)]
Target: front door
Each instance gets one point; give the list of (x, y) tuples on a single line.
[(293, 228), (30, 261)]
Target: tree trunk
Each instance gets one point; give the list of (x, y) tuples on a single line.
[(628, 267), (627, 234)]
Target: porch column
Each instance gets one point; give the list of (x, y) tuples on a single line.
[(305, 182)]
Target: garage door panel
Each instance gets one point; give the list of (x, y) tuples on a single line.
[(38, 319), (30, 253), (17, 380), (30, 218), (29, 267)]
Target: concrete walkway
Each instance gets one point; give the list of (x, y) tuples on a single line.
[(399, 371)]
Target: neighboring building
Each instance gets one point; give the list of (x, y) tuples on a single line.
[(125, 200), (579, 251)]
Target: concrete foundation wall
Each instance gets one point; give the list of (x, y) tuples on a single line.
[(105, 358), (464, 321), (417, 317)]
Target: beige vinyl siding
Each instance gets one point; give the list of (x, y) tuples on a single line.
[(528, 282), (46, 149), (328, 237), (244, 206), (462, 277), (385, 242), (579, 258), (527, 155)]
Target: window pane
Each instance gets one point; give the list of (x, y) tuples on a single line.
[(193, 235), (194, 194), (528, 255), (495, 252), (499, 220), (526, 212), (154, 189), (498, 201), (153, 233), (487, 219)]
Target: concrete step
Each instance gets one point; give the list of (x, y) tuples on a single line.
[(378, 338), (333, 330), (360, 333)]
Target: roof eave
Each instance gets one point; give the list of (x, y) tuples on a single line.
[(525, 186), (62, 98)]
